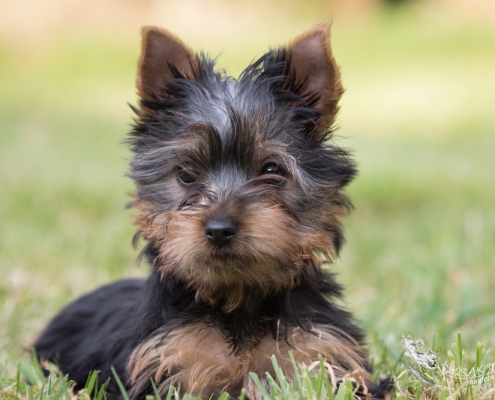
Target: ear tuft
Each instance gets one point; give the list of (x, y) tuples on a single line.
[(164, 57), (312, 65)]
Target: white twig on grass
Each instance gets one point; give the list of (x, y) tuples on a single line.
[(424, 360)]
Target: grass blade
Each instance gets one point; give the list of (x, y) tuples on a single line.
[(120, 384), (260, 386)]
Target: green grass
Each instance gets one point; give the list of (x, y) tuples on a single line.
[(418, 114), (459, 374)]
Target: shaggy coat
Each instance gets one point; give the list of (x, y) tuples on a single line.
[(239, 199)]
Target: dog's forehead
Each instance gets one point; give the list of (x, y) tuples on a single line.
[(236, 110)]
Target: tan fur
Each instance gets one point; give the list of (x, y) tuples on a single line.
[(195, 356), (198, 358), (186, 254)]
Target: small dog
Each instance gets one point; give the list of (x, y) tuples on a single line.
[(239, 198)]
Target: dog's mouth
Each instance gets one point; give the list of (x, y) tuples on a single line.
[(224, 257), (243, 253)]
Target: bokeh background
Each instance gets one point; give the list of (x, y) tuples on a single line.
[(418, 113)]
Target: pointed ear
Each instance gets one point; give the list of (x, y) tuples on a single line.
[(164, 57), (312, 65)]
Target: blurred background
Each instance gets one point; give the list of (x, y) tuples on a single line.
[(418, 114)]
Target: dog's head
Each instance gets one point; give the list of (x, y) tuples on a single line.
[(238, 193)]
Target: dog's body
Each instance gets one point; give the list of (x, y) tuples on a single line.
[(238, 198)]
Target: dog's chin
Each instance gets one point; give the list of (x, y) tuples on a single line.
[(233, 274), (225, 272), (224, 264), (227, 260), (223, 254)]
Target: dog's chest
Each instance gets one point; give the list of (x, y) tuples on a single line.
[(198, 358)]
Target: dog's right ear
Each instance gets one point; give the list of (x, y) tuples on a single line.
[(164, 57)]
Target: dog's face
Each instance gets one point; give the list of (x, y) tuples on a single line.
[(237, 194)]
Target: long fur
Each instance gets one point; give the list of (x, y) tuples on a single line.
[(257, 152)]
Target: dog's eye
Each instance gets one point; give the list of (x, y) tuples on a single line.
[(186, 176), (272, 168)]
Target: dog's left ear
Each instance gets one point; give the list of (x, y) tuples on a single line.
[(313, 71)]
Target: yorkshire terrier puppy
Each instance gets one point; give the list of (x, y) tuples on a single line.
[(239, 199)]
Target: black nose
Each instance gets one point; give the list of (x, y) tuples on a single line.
[(220, 231)]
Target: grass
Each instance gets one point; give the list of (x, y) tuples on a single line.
[(458, 375), (419, 259)]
